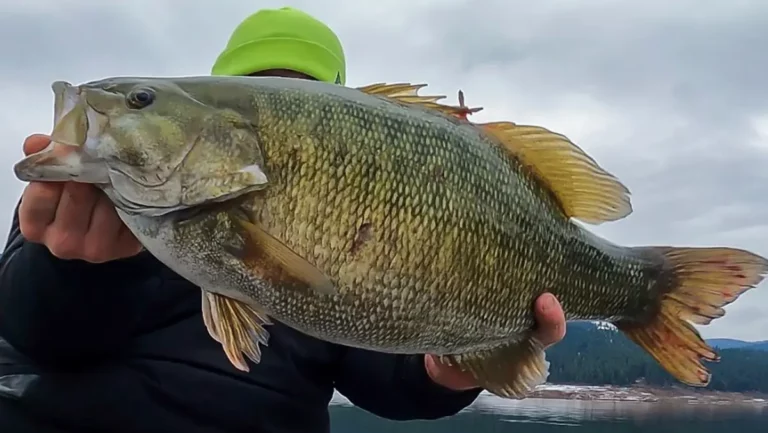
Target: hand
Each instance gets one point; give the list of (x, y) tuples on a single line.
[(550, 329), (74, 220)]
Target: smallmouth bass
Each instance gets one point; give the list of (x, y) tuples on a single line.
[(382, 219)]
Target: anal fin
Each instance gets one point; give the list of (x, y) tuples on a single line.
[(238, 327), (510, 371)]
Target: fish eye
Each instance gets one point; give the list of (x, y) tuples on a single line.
[(140, 98)]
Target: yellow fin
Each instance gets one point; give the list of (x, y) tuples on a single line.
[(510, 371), (584, 190), (237, 326), (704, 280), (270, 259), (408, 93)]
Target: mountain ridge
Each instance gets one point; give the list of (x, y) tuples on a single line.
[(718, 343), (732, 343)]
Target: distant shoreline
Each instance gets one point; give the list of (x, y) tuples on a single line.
[(644, 393), (608, 394)]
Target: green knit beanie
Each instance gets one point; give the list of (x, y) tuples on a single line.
[(284, 38)]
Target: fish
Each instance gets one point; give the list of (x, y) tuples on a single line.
[(380, 218)]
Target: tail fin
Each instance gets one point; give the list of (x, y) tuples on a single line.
[(704, 280)]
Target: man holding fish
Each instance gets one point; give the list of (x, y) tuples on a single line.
[(98, 335)]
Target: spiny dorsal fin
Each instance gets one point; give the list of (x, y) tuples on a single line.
[(584, 189), (408, 93)]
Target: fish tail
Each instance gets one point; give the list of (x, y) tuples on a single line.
[(700, 282)]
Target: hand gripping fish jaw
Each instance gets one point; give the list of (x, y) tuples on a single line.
[(75, 132), (131, 140)]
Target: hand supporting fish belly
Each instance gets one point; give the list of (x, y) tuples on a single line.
[(381, 219)]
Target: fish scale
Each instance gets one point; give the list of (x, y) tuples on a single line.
[(382, 219)]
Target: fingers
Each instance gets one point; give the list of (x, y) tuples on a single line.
[(108, 238), (550, 320), (38, 209), (39, 200), (101, 239), (35, 143), (129, 246), (65, 235), (73, 215), (449, 377), (74, 220)]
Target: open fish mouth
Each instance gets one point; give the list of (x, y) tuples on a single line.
[(69, 156)]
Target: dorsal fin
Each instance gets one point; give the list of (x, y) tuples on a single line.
[(584, 189), (408, 93)]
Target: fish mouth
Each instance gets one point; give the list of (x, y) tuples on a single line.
[(69, 156)]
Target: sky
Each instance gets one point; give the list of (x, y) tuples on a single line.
[(668, 96)]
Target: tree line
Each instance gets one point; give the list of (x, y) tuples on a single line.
[(592, 356)]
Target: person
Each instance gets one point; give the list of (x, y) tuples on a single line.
[(98, 336)]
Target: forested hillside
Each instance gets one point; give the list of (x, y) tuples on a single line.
[(592, 355)]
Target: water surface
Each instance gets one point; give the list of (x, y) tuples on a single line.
[(491, 414)]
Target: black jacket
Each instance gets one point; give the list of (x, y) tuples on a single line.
[(121, 347)]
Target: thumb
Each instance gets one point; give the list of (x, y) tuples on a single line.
[(35, 143)]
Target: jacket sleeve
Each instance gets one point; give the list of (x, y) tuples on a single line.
[(63, 311), (397, 387)]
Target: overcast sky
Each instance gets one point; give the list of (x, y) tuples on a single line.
[(669, 96)]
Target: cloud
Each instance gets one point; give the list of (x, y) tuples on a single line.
[(669, 96)]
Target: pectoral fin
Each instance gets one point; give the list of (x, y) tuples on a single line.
[(272, 260), (238, 327), (510, 371)]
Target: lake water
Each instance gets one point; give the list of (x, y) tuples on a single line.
[(490, 415)]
